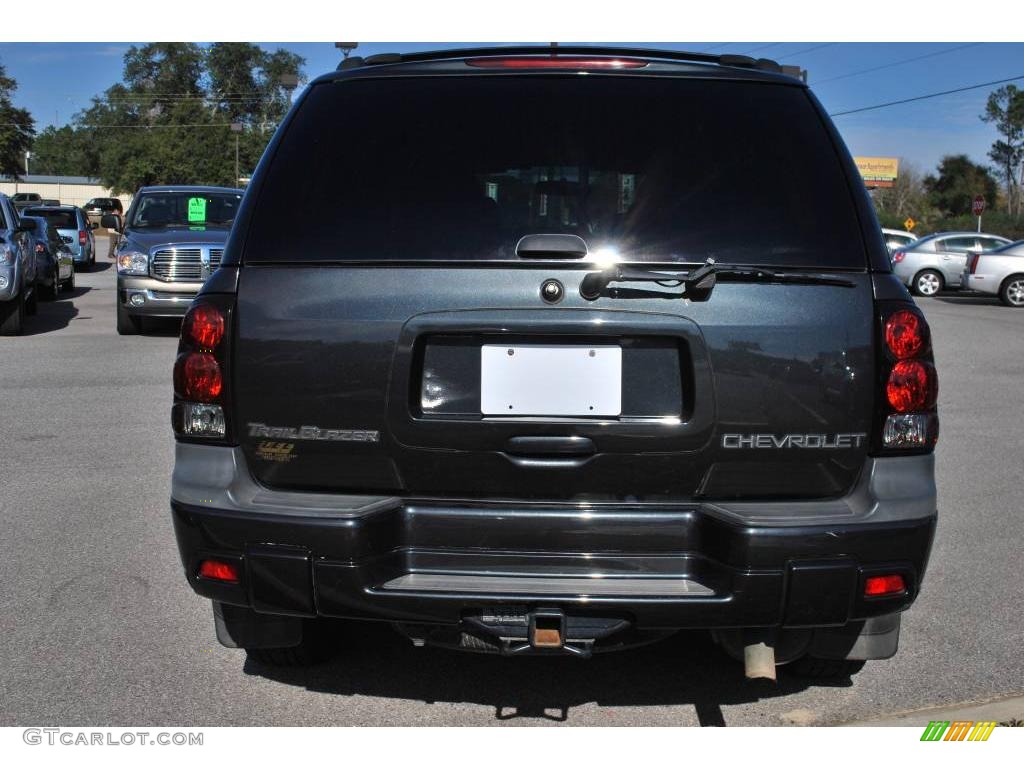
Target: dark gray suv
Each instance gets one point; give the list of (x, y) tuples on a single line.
[(572, 350)]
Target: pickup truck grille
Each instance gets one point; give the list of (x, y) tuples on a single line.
[(186, 264)]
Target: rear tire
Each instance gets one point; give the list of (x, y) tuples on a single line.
[(127, 324), (317, 647), (13, 315), (928, 282), (32, 303), (69, 284), (811, 668), (51, 292), (1012, 291)]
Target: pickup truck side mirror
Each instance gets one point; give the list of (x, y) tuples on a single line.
[(111, 221)]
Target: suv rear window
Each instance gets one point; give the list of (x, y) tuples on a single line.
[(59, 219), (652, 169)]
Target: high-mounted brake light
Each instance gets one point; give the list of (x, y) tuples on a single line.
[(877, 586), (204, 326), (905, 334), (197, 377), (555, 62), (219, 571), (898, 257)]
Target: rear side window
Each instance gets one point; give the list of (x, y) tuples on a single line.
[(651, 169), (958, 244)]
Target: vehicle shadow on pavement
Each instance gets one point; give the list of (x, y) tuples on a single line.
[(976, 299), (686, 669), (101, 266), (54, 315)]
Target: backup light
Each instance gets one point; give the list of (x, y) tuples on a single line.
[(219, 571), (877, 586), (200, 420), (906, 430)]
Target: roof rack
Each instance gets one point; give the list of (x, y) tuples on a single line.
[(724, 60)]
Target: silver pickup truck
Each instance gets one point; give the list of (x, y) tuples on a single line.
[(172, 240)]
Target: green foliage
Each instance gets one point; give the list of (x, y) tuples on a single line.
[(958, 182), (1005, 108), (169, 121), (16, 129)]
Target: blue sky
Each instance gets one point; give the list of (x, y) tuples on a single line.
[(55, 80)]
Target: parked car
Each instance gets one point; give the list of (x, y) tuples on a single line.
[(55, 270), (51, 202), (999, 272), (75, 230), (172, 242), (98, 206), (18, 296), (22, 200), (897, 238), (537, 389), (937, 262)]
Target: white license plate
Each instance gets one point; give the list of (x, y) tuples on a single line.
[(550, 380)]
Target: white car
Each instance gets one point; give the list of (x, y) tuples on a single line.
[(999, 272), (897, 238)]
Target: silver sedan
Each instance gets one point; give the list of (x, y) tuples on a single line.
[(999, 272), (938, 261)]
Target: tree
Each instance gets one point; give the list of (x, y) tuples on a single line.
[(906, 197), (958, 182), (16, 129), (169, 121), (1005, 108), (65, 152)]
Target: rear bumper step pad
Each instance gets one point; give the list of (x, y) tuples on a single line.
[(570, 587)]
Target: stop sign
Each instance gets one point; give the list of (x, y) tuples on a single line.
[(978, 206)]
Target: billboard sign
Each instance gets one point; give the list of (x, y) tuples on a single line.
[(878, 171)]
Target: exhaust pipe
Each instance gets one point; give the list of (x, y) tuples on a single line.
[(759, 661)]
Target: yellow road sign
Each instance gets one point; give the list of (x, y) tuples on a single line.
[(909, 224)]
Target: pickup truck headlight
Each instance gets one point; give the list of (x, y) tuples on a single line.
[(132, 263)]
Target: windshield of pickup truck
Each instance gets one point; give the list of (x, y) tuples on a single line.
[(184, 209)]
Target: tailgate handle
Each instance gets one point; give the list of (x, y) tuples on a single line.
[(568, 445)]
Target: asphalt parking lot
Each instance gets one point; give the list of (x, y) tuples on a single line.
[(99, 626)]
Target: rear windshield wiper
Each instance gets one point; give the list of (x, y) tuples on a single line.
[(698, 283)]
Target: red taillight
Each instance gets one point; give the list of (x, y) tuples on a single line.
[(905, 334), (555, 62), (875, 586), (972, 262), (83, 238), (898, 256), (219, 571), (912, 386), (197, 377), (204, 326), (39, 248)]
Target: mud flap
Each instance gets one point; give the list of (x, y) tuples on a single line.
[(874, 638), (244, 628)]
